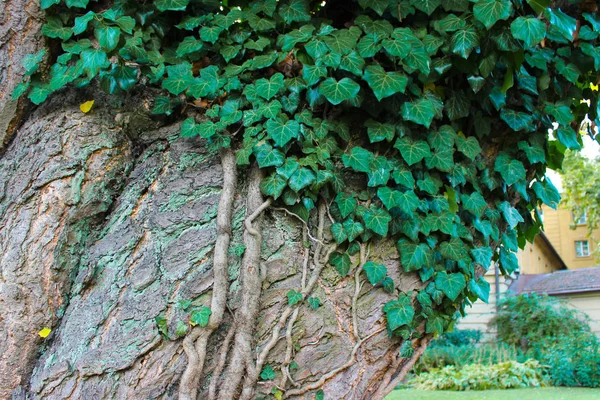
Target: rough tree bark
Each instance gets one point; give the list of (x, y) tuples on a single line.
[(108, 221)]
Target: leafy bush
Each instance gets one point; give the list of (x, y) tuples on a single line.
[(505, 375), (458, 338), (574, 360), (460, 356), (546, 329), (533, 322)]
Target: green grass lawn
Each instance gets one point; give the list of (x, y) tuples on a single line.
[(509, 394)]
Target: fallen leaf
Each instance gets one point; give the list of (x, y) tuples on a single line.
[(44, 332), (86, 107)]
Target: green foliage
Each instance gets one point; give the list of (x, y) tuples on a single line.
[(504, 375), (422, 122), (554, 334), (530, 321), (581, 177), (200, 316)]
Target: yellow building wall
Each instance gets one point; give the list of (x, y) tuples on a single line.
[(537, 258), (589, 303), (557, 229)]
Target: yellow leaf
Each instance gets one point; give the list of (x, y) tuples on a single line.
[(278, 395), (594, 87), (430, 86), (86, 107), (44, 332)]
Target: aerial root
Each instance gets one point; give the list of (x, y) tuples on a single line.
[(245, 316), (398, 371), (195, 343)]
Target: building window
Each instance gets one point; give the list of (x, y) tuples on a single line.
[(582, 248), (582, 220)]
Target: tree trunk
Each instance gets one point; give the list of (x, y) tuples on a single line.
[(108, 225)]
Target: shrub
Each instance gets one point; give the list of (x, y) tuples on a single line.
[(505, 375), (458, 338), (574, 361), (533, 322), (546, 329), (459, 356)]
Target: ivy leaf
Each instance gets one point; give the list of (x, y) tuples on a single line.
[(281, 132), (419, 111), (320, 395), (481, 288), (341, 262), (427, 6), (338, 91), (39, 93), (346, 204), (20, 90), (359, 159), (267, 156), (378, 131), (210, 34), (464, 41), (412, 151), (469, 147), (546, 192), (171, 5), (474, 203), (384, 84), (375, 272), (441, 159), (454, 249), (179, 79), (189, 45), (353, 229), (539, 5), (273, 186), (517, 120), (314, 303), (295, 11), (267, 373), (530, 30), (482, 256), (31, 62), (451, 284), (200, 317), (312, 74), (54, 28), (339, 233), (510, 170), (491, 11), (93, 60), (269, 88), (565, 24), (450, 23), (511, 214), (377, 221), (301, 179), (294, 297), (107, 36), (414, 256), (568, 137), (399, 312)]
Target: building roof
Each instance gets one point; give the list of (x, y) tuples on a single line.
[(559, 282)]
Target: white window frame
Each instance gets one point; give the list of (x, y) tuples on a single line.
[(582, 248)]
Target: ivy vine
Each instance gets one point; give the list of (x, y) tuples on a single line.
[(424, 122)]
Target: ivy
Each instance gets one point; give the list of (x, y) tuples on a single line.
[(423, 122)]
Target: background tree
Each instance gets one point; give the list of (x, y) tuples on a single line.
[(272, 198), (581, 183)]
